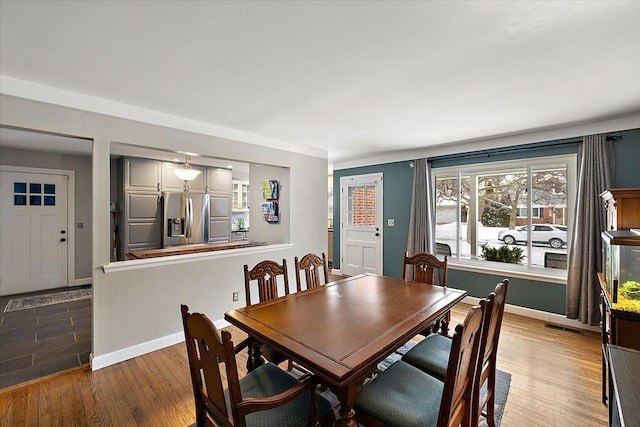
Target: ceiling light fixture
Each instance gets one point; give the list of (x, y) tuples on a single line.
[(186, 172)]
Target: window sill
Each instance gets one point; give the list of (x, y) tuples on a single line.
[(137, 264), (550, 275)]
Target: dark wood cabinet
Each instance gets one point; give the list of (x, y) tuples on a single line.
[(623, 208)]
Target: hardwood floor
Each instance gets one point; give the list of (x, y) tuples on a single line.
[(555, 382)]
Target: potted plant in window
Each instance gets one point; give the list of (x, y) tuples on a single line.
[(505, 253)]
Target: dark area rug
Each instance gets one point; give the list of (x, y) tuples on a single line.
[(41, 300)]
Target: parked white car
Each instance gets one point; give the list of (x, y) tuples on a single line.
[(554, 235)]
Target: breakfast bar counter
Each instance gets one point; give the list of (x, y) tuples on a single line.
[(191, 249)]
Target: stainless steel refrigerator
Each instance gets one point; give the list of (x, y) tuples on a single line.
[(185, 218)]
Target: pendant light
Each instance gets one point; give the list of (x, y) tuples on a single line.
[(186, 172)]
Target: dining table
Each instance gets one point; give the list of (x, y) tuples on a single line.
[(342, 330)]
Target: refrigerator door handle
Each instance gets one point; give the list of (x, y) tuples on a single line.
[(189, 218)]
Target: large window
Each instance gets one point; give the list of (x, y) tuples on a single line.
[(520, 206)]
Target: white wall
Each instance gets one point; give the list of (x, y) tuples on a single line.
[(137, 310)]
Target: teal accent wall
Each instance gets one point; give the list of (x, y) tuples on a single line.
[(397, 180), (544, 296)]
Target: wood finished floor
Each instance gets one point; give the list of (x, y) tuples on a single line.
[(40, 341), (555, 382)]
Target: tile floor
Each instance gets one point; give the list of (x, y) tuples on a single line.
[(40, 341)]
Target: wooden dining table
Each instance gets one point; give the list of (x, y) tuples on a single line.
[(342, 330)]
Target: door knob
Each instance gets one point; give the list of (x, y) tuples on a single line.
[(63, 240)]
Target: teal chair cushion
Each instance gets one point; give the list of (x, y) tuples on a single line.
[(267, 380), (402, 396), (431, 355)]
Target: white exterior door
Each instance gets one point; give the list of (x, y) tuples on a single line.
[(33, 231), (361, 224)]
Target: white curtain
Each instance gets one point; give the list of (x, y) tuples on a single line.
[(596, 171), (422, 219)]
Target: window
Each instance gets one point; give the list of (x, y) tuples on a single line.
[(38, 195), (525, 203), (536, 213), (362, 205)]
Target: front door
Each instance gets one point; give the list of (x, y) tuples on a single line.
[(361, 224), (33, 231)]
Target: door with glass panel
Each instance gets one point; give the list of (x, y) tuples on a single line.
[(361, 224), (33, 231)]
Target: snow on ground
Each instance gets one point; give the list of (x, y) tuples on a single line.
[(446, 233)]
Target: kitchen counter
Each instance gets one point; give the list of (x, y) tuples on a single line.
[(190, 249)]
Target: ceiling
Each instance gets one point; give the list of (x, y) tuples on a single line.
[(350, 79)]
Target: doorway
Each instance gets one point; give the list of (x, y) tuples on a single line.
[(42, 175), (34, 227), (361, 224)]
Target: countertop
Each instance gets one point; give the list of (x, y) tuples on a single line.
[(190, 249)]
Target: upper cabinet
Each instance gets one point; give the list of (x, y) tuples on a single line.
[(240, 195), (218, 180), (142, 174), (623, 208), (170, 182)]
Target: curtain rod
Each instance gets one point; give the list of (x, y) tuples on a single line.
[(525, 147)]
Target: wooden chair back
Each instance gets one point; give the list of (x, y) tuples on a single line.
[(311, 264), (266, 274), (206, 349), (423, 265), (488, 353), (457, 395)]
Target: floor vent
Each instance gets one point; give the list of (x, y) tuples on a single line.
[(565, 328)]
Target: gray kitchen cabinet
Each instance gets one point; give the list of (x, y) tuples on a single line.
[(142, 174), (219, 189), (219, 218), (143, 223), (219, 181), (170, 182)]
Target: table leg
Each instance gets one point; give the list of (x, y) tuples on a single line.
[(444, 324), (255, 358), (347, 396)]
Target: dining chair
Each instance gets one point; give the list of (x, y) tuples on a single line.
[(311, 264), (403, 395), (265, 274), (266, 396), (421, 268), (431, 354), (443, 249)]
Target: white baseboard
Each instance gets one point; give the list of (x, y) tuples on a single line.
[(337, 272), (219, 324), (144, 348), (99, 362), (553, 318)]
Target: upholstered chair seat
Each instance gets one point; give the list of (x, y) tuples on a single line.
[(431, 355), (404, 396), (269, 380), (391, 397)]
